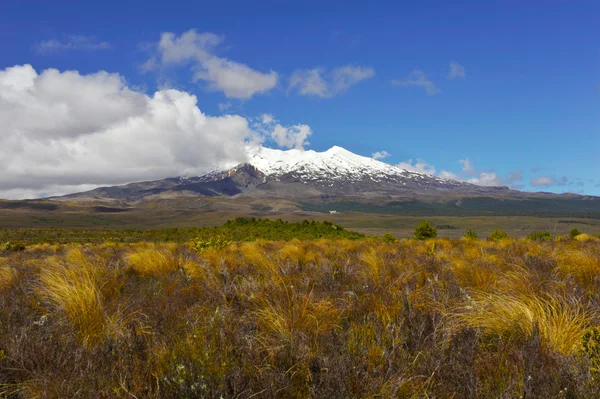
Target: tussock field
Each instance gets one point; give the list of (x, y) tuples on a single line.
[(322, 318)]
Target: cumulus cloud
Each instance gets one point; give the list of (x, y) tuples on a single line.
[(543, 181), (456, 71), (295, 136), (317, 82), (486, 179), (63, 132), (471, 175), (467, 166), (292, 136), (419, 166), (380, 155), (234, 79), (418, 78), (515, 176), (77, 42)]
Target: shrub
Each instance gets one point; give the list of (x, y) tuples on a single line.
[(12, 247), (498, 235), (389, 238), (471, 235), (540, 236), (425, 230), (590, 346), (199, 245), (574, 233)]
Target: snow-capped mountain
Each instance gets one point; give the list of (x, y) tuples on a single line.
[(299, 174)]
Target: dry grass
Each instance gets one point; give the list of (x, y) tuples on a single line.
[(321, 318), (8, 275), (151, 262), (561, 321), (72, 285)]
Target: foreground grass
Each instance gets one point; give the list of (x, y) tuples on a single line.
[(332, 318)]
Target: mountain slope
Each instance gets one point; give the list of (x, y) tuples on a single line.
[(298, 174)]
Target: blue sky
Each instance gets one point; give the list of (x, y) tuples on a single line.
[(520, 109)]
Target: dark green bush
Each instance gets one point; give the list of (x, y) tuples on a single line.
[(471, 235), (389, 238), (12, 247), (425, 230), (574, 232), (540, 236), (498, 235)]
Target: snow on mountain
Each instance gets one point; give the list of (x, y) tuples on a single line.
[(336, 163)]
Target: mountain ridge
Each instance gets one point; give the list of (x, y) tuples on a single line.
[(299, 174)]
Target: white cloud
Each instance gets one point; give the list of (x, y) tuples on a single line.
[(292, 136), (486, 179), (84, 43), (234, 79), (419, 166), (515, 176), (295, 136), (316, 82), (267, 119), (63, 131), (470, 174), (419, 79), (542, 181), (467, 166), (380, 155), (224, 106), (456, 71), (444, 174)]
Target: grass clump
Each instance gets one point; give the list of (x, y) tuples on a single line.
[(72, 286), (8, 275), (561, 322), (151, 262)]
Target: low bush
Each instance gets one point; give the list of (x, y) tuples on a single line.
[(540, 236), (471, 235), (424, 231), (574, 233), (499, 235)]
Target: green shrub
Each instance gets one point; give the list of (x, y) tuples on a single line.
[(389, 238), (471, 235), (590, 346), (498, 235), (200, 244), (540, 236), (425, 230), (12, 247), (574, 232)]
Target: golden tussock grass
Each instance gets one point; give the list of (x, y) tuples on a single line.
[(585, 237), (582, 264), (152, 262), (321, 318), (561, 321), (72, 285), (8, 276)]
